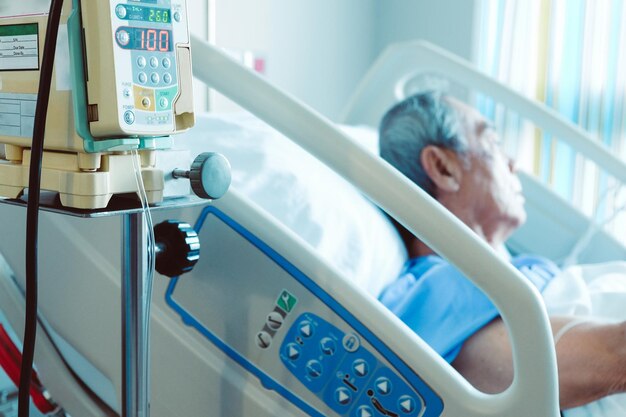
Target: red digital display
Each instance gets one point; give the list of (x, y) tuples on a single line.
[(144, 39)]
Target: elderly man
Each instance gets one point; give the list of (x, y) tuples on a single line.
[(452, 152)]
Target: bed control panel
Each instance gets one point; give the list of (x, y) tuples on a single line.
[(279, 325), (344, 374)]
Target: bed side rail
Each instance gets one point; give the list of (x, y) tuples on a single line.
[(535, 387), (385, 84)]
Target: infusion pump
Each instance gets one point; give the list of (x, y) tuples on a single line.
[(122, 81)]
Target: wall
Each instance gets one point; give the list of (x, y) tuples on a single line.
[(316, 51), (447, 23)]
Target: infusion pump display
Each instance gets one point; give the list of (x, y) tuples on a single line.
[(147, 69)]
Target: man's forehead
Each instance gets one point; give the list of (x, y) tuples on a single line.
[(472, 121)]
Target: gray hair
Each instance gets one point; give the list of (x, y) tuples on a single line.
[(420, 120)]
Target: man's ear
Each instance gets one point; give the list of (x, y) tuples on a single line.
[(443, 167)]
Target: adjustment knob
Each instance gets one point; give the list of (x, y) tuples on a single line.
[(209, 175), (177, 248)]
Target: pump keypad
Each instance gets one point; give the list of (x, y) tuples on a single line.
[(336, 367)]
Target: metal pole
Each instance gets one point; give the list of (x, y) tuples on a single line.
[(135, 352)]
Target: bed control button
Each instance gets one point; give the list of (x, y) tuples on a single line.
[(274, 320), (305, 329), (328, 345), (351, 342), (293, 351), (364, 411), (383, 386), (343, 396), (314, 368), (360, 368), (406, 404), (263, 340)]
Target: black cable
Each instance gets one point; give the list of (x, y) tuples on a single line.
[(32, 211)]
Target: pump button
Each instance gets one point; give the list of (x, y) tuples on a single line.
[(123, 38), (141, 62), (155, 78), (129, 117), (143, 78), (154, 62), (167, 78), (177, 16), (120, 11), (145, 102), (166, 63)]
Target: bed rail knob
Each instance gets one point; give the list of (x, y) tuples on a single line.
[(177, 248), (210, 175)]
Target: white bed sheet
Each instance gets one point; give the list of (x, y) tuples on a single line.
[(594, 292), (322, 208)]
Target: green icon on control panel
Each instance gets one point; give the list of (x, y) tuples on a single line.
[(286, 301)]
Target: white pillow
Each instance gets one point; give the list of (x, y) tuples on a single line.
[(344, 227)]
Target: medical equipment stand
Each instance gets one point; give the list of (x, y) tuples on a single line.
[(134, 264), (135, 346)]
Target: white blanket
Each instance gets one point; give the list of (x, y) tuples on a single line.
[(599, 293)]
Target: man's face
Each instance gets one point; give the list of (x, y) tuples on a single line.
[(490, 185)]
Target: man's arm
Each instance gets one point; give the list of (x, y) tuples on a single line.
[(591, 360)]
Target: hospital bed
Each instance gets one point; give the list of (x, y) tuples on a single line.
[(278, 317)]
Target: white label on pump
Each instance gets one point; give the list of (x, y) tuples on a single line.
[(62, 61), (19, 47), (17, 114)]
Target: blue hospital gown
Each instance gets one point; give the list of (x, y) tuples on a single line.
[(435, 300)]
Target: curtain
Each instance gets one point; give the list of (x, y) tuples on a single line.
[(571, 55)]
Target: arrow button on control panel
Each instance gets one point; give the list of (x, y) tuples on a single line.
[(406, 404), (305, 329), (364, 411), (293, 351), (343, 396), (360, 367), (383, 386)]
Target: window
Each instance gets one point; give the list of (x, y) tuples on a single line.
[(571, 55)]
